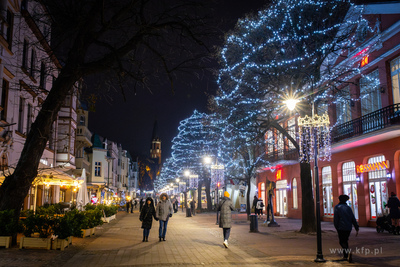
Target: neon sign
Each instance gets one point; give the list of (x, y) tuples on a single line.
[(364, 61), (278, 175), (376, 166)]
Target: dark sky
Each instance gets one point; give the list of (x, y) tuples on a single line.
[(131, 123)]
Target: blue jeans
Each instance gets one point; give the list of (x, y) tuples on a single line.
[(227, 232), (146, 232), (163, 228)]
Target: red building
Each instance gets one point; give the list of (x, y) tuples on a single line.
[(365, 135)]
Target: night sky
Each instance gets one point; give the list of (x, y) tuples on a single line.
[(130, 123)]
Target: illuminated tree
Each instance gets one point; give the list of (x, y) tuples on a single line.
[(286, 50)]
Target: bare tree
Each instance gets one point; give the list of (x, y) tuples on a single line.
[(138, 42)]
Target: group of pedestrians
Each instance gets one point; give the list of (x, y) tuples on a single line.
[(162, 212)]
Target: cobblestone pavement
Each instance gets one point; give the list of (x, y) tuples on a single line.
[(197, 241)]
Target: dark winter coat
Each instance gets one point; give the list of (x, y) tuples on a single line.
[(147, 213), (394, 204), (164, 208), (343, 217), (225, 208)]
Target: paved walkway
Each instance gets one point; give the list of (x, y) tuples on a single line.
[(197, 241)]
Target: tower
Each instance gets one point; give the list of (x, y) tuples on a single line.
[(155, 149)]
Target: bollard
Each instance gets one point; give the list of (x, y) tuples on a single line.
[(253, 224), (188, 213)]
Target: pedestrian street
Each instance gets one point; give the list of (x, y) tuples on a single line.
[(187, 243), (193, 241)]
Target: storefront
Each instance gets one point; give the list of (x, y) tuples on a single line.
[(281, 198)]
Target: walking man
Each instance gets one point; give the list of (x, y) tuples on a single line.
[(225, 218), (343, 219), (163, 213)]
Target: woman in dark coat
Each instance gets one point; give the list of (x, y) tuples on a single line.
[(394, 204), (146, 217), (225, 220)]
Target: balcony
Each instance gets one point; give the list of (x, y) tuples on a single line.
[(383, 119), (282, 154), (84, 135)]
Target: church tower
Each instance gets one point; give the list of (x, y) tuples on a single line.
[(155, 149)]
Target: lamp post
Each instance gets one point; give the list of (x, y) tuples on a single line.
[(313, 124)]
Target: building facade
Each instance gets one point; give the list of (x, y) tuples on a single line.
[(365, 135)]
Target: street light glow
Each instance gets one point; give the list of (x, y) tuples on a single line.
[(187, 173), (207, 160), (291, 103)]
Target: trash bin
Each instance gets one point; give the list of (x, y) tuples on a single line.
[(188, 213), (253, 224)]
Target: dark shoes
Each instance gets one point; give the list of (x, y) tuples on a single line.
[(143, 239), (160, 239), (147, 239), (163, 239)]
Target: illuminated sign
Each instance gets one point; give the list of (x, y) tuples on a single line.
[(364, 61), (372, 167), (278, 175)]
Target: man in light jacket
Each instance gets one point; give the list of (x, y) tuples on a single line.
[(164, 210), (344, 219)]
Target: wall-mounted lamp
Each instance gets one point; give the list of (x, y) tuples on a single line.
[(388, 175), (358, 179), (288, 186)]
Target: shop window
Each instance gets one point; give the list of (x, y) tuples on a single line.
[(263, 194), (378, 193), (281, 197), (294, 193), (350, 185), (327, 191)]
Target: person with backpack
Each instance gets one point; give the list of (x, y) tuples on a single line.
[(260, 206)]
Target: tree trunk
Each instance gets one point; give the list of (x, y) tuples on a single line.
[(15, 187), (200, 185), (308, 223), (248, 208), (208, 194)]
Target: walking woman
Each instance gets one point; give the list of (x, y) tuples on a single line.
[(225, 220), (146, 217), (163, 212)]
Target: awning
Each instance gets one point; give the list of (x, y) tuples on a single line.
[(48, 176)]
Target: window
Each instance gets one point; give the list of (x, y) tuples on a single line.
[(395, 70), (350, 185), (97, 168), (21, 115), (294, 189), (33, 63), (378, 192), (28, 118), (270, 142), (3, 100), (82, 120), (10, 26), (292, 131), (327, 191), (343, 110), (25, 54), (42, 75), (370, 93), (281, 145)]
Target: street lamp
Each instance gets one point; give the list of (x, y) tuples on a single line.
[(313, 123)]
